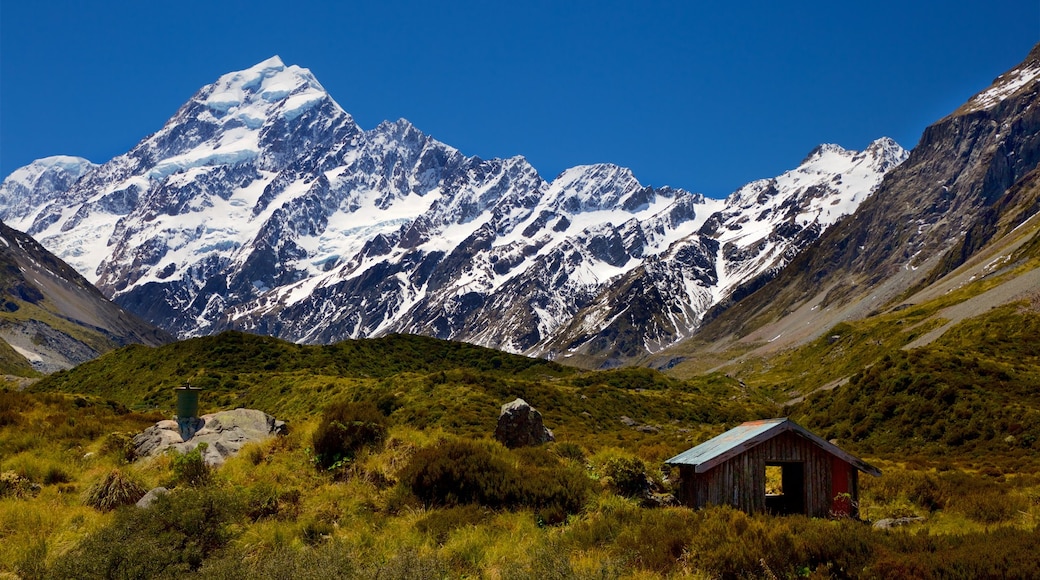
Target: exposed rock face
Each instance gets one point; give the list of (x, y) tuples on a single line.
[(971, 180), (520, 425), (224, 433), (262, 206), (54, 317)]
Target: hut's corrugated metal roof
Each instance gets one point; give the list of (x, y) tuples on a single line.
[(721, 444), (747, 435)]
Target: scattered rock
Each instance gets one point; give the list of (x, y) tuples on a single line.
[(628, 421), (224, 433), (520, 425), (151, 496), (889, 523), (647, 429)]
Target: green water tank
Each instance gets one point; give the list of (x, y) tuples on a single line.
[(187, 402)]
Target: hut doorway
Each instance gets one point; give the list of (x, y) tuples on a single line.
[(785, 487)]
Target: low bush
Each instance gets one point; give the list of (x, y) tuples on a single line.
[(460, 472), (628, 476), (191, 468), (345, 429), (171, 538)]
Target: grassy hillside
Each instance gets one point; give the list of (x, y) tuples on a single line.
[(565, 510), (418, 381), (973, 392), (423, 492)]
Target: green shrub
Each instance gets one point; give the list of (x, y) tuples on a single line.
[(627, 476), (114, 490), (460, 472), (119, 444), (265, 500), (171, 538), (190, 468), (316, 531), (345, 429)]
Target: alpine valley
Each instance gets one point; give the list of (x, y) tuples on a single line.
[(261, 206), (889, 303)]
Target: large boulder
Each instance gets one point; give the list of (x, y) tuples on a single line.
[(224, 433), (520, 425)]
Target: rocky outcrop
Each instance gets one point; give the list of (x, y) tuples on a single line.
[(224, 433), (520, 425)]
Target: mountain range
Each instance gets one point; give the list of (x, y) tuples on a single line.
[(961, 209), (262, 206)]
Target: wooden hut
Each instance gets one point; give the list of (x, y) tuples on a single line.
[(805, 474)]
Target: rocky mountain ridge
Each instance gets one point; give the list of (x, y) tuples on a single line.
[(52, 318), (261, 206), (961, 208)]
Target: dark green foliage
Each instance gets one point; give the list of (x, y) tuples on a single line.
[(627, 476), (971, 392), (571, 451), (171, 538), (726, 543), (453, 473), (979, 497), (345, 428), (1003, 553), (459, 472), (190, 468), (15, 485), (265, 500), (137, 374)]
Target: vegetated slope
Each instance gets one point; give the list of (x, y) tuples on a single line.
[(972, 392), (418, 381), (262, 206), (967, 186), (53, 318)]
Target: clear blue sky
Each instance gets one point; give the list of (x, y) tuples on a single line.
[(700, 95)]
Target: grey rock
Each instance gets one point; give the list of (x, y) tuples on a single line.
[(224, 433), (889, 523), (150, 497), (520, 425)]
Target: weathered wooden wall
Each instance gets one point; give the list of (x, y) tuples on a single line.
[(740, 481)]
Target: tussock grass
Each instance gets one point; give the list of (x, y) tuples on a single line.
[(270, 512), (115, 489)]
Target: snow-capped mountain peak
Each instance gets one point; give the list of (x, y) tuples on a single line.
[(269, 82), (29, 187), (261, 205)]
